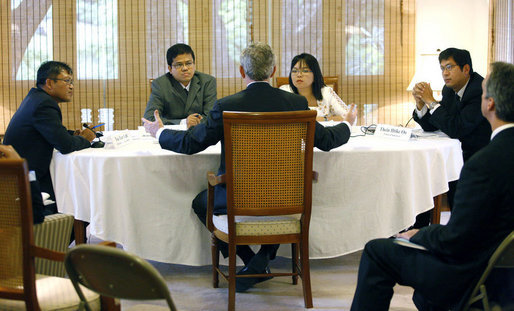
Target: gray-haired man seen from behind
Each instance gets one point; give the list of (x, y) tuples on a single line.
[(257, 67)]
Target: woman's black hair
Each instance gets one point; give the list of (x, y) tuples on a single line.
[(313, 65)]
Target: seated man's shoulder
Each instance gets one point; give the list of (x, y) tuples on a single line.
[(204, 77)]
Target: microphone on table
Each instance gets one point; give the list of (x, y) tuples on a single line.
[(99, 143)]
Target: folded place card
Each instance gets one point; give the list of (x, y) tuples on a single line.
[(120, 138), (390, 131)]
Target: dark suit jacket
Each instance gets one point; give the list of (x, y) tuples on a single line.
[(257, 97), (482, 216), (35, 130), (463, 120), (170, 99)]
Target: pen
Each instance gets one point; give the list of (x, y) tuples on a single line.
[(98, 125)]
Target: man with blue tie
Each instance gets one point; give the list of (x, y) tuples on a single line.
[(457, 114)]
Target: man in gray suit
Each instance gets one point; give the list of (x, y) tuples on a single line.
[(183, 92)]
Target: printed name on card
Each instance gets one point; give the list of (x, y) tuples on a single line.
[(120, 138), (391, 131)]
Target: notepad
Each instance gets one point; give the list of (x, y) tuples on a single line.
[(407, 243)]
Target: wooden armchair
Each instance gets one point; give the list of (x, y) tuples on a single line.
[(20, 287), (269, 176)]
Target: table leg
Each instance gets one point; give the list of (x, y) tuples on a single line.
[(436, 212), (80, 231)]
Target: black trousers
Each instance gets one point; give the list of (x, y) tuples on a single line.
[(199, 206), (437, 283)]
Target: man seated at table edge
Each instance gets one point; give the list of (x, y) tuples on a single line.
[(459, 251), (183, 92), (36, 128), (257, 67)]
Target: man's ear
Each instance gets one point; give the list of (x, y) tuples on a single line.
[(49, 83), (466, 69), (491, 106), (242, 72), (274, 70), (169, 68)]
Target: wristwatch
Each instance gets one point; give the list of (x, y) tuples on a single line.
[(432, 105)]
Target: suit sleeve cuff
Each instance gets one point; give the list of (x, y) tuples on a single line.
[(158, 134)]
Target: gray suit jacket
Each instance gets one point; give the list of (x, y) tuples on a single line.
[(170, 99)]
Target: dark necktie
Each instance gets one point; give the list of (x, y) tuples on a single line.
[(187, 92), (457, 101)]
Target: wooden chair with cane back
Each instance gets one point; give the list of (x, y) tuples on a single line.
[(269, 177)]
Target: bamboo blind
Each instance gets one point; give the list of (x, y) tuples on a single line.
[(217, 30), (501, 29)]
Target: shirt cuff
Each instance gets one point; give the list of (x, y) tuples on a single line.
[(434, 108), (421, 112), (158, 134)]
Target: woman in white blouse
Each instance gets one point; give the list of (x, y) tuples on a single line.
[(306, 79)]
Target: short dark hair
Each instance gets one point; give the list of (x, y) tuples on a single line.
[(461, 57), (50, 70), (313, 65), (499, 87), (178, 49)]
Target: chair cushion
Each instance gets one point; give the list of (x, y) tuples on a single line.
[(260, 225), (54, 233), (54, 293)]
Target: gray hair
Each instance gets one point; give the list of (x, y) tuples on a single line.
[(500, 87), (258, 61)]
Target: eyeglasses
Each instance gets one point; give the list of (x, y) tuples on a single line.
[(68, 81), (303, 71), (180, 65), (448, 67)]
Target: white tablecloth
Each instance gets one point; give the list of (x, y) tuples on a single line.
[(140, 195)]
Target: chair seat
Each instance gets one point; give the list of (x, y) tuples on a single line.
[(260, 225), (54, 293)]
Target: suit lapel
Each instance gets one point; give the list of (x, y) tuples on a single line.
[(193, 90), (177, 89)]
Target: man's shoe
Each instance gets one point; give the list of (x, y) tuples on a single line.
[(244, 284), (265, 278)]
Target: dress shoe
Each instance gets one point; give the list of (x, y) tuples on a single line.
[(265, 278), (243, 284)]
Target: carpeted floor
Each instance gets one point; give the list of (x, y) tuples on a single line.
[(333, 284)]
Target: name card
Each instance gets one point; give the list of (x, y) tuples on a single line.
[(119, 139), (390, 131)]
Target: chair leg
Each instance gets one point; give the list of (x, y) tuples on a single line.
[(231, 277), (306, 273), (215, 254), (294, 262), (485, 299), (79, 228)]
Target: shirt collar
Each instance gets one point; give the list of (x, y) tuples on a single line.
[(256, 82), (461, 91), (501, 128), (188, 85)]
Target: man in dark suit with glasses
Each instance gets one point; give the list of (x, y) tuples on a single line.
[(457, 114)]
